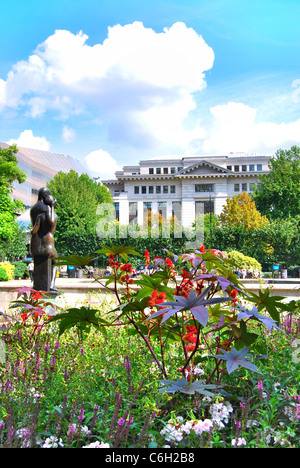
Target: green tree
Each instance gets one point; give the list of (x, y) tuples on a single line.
[(278, 193), (77, 200), (9, 208)]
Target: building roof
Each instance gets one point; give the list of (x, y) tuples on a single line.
[(53, 162)]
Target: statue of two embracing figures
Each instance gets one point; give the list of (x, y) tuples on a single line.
[(42, 249)]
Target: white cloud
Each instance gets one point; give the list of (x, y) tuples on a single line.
[(135, 75), (102, 164), (235, 128), (68, 134), (26, 139)]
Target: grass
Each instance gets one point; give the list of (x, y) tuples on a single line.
[(58, 392)]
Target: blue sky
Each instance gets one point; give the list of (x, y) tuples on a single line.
[(112, 82)]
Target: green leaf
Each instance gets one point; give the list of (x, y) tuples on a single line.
[(81, 318), (272, 303), (118, 250), (242, 337)]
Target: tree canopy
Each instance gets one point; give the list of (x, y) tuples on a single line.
[(9, 172), (240, 210), (77, 200), (278, 192)]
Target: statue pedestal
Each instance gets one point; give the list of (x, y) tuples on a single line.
[(42, 273)]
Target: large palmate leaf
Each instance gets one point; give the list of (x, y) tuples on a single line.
[(82, 318), (183, 386), (273, 304), (235, 359), (196, 304), (118, 250), (151, 283), (267, 321), (242, 336)]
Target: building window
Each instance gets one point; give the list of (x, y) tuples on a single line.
[(151, 189), (173, 189), (158, 170), (205, 207), (117, 211), (236, 187), (244, 168), (165, 189), (166, 170), (236, 168), (144, 189), (229, 168), (179, 168), (158, 189), (173, 170), (136, 190), (132, 211), (204, 188), (244, 187), (151, 170), (251, 167), (259, 167), (162, 209)]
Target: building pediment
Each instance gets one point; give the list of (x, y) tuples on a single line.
[(203, 168)]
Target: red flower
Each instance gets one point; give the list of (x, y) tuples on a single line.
[(112, 262), (233, 293), (202, 248), (126, 267), (36, 295), (147, 257), (156, 298)]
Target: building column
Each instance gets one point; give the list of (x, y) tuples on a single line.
[(187, 212), (140, 213), (123, 209)]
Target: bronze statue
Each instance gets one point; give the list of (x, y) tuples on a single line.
[(42, 249)]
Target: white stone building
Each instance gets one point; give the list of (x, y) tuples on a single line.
[(183, 186)]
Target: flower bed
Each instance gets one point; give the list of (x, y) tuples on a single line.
[(195, 362)]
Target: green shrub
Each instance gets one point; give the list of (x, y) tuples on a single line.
[(3, 275), (241, 260), (9, 268), (20, 269)]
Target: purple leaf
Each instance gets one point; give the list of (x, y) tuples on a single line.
[(223, 282), (24, 290), (267, 321), (196, 304), (237, 358)]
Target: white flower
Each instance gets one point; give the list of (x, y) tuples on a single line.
[(52, 442), (220, 412), (187, 427), (97, 445), (198, 371), (203, 426), (238, 442)]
